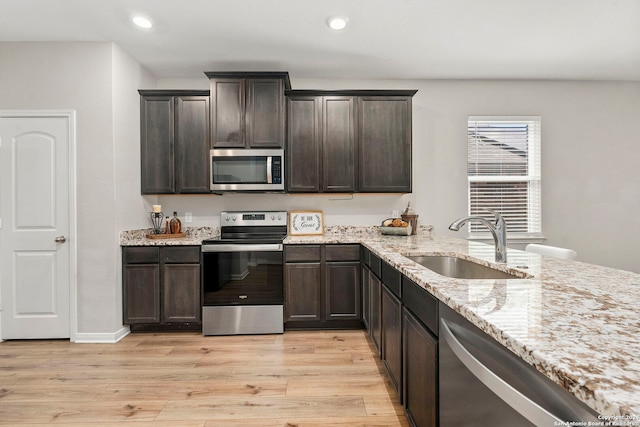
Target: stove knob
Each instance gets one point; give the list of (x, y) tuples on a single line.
[(234, 218), (273, 217), (279, 217), (227, 218)]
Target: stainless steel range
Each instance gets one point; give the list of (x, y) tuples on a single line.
[(242, 275)]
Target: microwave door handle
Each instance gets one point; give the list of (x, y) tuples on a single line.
[(269, 172)]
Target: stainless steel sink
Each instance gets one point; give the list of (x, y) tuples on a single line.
[(460, 268)]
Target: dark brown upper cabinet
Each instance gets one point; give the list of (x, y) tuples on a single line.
[(321, 144), (349, 141), (384, 144), (248, 109), (303, 158), (174, 141)]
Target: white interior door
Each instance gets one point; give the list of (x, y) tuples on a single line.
[(35, 225)]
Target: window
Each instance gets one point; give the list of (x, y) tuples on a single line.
[(503, 169)]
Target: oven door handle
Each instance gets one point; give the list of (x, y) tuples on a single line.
[(248, 247)]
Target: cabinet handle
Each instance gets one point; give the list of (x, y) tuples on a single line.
[(526, 407), (60, 239)]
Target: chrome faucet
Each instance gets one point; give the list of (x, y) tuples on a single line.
[(498, 230)]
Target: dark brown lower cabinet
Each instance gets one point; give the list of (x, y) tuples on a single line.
[(420, 372), (303, 292), (141, 293), (402, 320), (392, 337), (322, 286), (375, 320), (180, 285), (366, 296), (161, 288), (342, 290)]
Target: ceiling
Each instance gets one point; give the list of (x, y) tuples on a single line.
[(388, 39)]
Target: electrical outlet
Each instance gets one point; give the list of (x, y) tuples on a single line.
[(188, 217)]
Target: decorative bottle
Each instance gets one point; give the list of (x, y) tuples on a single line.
[(411, 217), (175, 224)]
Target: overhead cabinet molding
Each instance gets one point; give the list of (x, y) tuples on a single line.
[(349, 141), (174, 141), (248, 109)]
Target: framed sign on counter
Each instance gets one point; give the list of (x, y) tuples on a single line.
[(306, 223)]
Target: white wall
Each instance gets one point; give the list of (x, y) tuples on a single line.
[(127, 77), (590, 143), (94, 79)]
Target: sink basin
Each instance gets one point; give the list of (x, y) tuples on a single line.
[(459, 268)]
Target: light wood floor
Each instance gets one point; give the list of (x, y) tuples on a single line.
[(311, 378)]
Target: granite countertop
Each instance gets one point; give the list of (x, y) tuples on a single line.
[(194, 237), (576, 323)]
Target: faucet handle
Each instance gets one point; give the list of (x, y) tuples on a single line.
[(499, 217)]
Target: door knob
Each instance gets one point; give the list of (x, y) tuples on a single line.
[(60, 239)]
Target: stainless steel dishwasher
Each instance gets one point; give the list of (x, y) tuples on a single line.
[(481, 383)]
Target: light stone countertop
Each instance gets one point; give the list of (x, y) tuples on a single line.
[(194, 237), (576, 323)]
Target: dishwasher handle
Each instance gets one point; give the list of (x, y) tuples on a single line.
[(526, 407)]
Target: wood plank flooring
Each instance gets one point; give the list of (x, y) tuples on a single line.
[(299, 378)]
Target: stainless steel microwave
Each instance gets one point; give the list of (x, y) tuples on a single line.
[(247, 170)]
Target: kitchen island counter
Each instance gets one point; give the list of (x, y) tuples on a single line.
[(576, 323)]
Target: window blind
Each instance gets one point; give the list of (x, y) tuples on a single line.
[(504, 172)]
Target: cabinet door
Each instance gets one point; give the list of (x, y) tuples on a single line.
[(338, 144), (192, 144), (302, 301), (141, 293), (157, 140), (375, 327), (303, 144), (264, 116), (366, 298), (181, 293), (227, 113), (392, 337), (342, 290), (420, 369), (384, 144)]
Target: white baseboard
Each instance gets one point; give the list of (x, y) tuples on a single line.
[(102, 338)]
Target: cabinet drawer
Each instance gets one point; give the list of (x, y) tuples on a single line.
[(392, 278), (421, 303), (365, 256), (342, 253), (301, 253), (141, 255), (375, 264), (182, 254)]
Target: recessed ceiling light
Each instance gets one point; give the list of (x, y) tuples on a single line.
[(142, 22), (337, 22)]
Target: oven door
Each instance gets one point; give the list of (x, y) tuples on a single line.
[(242, 289)]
